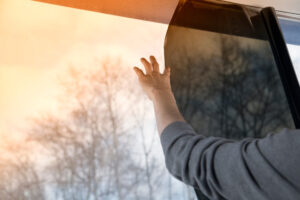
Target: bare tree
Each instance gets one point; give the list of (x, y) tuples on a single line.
[(19, 178), (100, 144), (235, 92), (92, 147)]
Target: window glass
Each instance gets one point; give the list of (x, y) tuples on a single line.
[(291, 30), (74, 122), (294, 51), (224, 75)]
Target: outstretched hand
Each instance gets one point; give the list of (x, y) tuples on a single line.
[(153, 81), (158, 88)]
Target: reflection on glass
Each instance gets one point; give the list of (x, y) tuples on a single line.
[(226, 85)]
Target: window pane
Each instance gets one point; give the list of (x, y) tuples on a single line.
[(225, 80), (74, 122), (294, 51), (291, 31)]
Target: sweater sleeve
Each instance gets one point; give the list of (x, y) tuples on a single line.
[(229, 169)]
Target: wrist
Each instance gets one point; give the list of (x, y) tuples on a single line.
[(159, 94), (164, 100)]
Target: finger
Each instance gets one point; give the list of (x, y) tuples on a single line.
[(167, 71), (139, 72), (147, 66), (154, 64)]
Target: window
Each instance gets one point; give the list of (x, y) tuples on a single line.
[(74, 123), (228, 81), (291, 28)]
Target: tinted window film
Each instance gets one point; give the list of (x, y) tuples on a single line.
[(224, 76)]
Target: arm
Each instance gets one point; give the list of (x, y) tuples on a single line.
[(166, 110), (264, 168)]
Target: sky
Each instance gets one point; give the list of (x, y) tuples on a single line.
[(38, 41)]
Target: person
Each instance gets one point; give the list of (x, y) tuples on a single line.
[(251, 168)]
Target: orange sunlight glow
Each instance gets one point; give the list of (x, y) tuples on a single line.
[(40, 41)]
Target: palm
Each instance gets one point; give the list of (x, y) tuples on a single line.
[(153, 80)]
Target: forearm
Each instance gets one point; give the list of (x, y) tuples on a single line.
[(166, 110)]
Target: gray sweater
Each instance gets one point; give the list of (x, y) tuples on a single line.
[(266, 168)]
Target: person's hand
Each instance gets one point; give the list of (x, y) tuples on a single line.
[(158, 88), (153, 81)]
